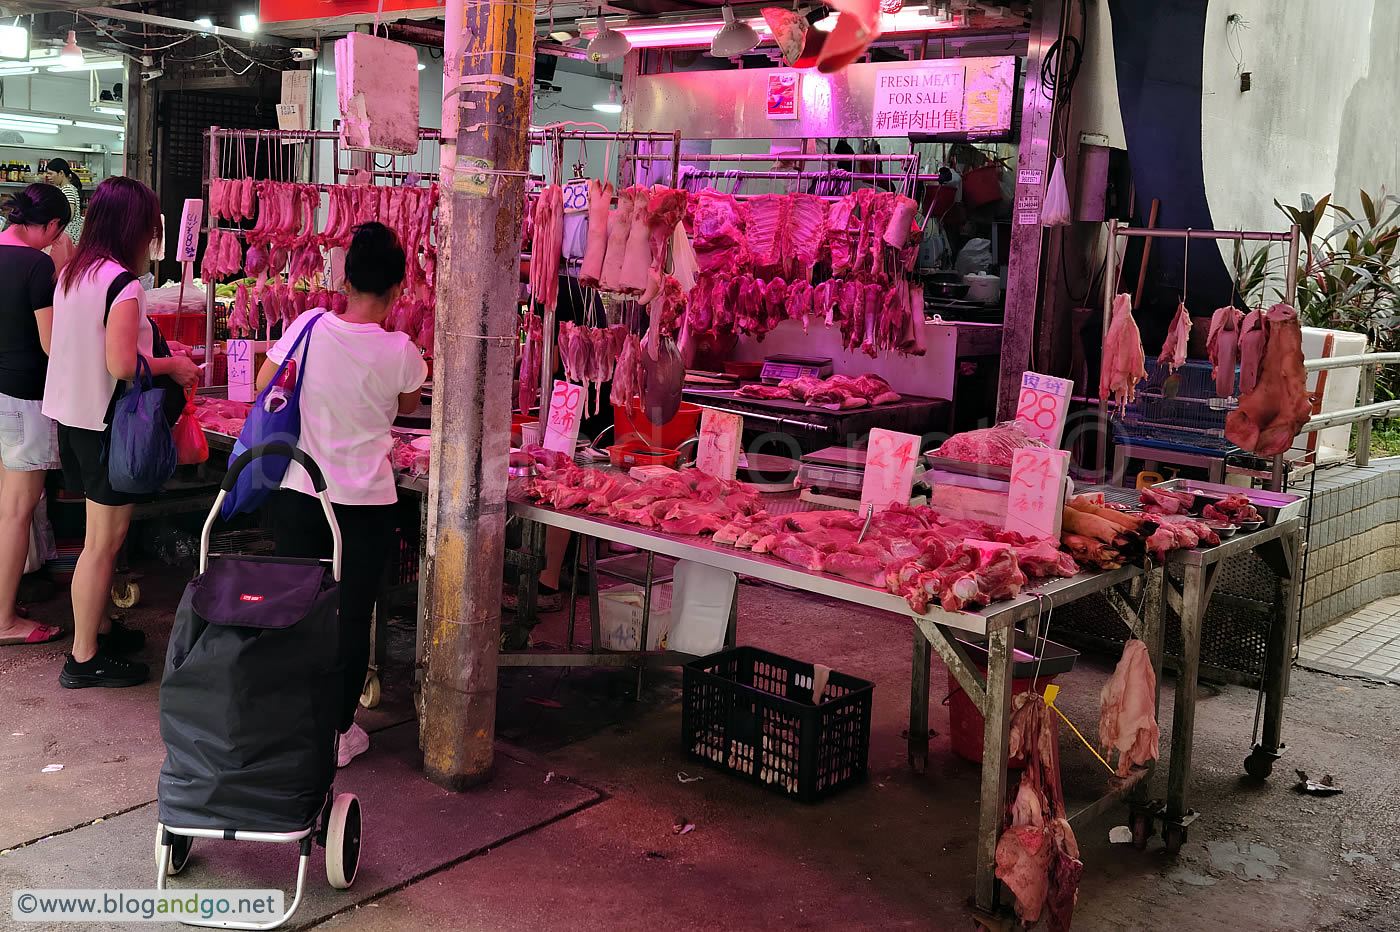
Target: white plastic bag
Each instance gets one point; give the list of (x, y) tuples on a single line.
[(975, 256), (1054, 211), (700, 602)]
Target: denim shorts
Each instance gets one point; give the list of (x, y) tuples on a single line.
[(28, 440)]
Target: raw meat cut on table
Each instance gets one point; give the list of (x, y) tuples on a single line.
[(1123, 358), (1270, 416), (990, 446), (994, 574), (1251, 350), (1037, 856), (1233, 508), (1166, 502), (1223, 346), (837, 392), (1128, 710), (1173, 354)]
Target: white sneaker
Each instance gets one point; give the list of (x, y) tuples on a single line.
[(352, 744)]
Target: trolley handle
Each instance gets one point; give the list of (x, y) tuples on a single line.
[(318, 482), (276, 448)]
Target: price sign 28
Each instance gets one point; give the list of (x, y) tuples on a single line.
[(561, 430), (1042, 405)]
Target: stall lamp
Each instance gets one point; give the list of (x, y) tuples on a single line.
[(607, 45), (204, 22), (42, 128), (421, 66), (71, 56), (734, 38), (248, 22), (611, 105)]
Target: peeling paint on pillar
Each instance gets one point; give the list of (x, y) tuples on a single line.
[(478, 280)]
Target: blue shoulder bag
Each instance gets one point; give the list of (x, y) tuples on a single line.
[(264, 426), (140, 449)]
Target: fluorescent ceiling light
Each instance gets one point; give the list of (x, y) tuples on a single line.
[(248, 22), (909, 19), (204, 21), (71, 56), (34, 118), (114, 127), (114, 111), (9, 72), (88, 66), (29, 127), (680, 35), (611, 105), (14, 42)]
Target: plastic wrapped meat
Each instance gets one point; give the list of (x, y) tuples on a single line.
[(990, 446)]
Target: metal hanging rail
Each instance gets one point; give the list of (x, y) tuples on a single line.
[(1110, 287)]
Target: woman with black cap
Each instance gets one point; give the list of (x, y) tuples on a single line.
[(60, 174)]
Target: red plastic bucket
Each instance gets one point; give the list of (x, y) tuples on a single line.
[(966, 726), (982, 185), (632, 425)]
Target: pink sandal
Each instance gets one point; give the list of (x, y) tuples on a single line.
[(42, 634)]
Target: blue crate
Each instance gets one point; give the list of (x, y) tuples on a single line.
[(1179, 412)]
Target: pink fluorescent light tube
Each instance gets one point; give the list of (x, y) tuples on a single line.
[(682, 35)]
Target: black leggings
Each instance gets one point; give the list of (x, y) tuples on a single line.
[(366, 533)]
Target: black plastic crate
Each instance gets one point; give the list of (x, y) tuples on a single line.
[(751, 712)]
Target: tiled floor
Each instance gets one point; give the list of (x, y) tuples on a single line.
[(1366, 643)]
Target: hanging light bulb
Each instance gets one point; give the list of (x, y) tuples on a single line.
[(71, 56), (607, 45), (611, 105), (734, 38)]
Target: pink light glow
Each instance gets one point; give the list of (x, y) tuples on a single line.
[(689, 35)]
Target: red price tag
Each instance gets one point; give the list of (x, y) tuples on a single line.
[(561, 430), (718, 451), (1037, 492), (890, 459), (1042, 406)]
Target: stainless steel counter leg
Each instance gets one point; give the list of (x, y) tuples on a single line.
[(918, 703), (595, 622), (573, 593), (646, 622), (1278, 662), (994, 753), (1153, 611), (1178, 816)]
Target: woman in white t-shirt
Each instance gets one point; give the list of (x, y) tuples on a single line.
[(87, 358), (355, 377)]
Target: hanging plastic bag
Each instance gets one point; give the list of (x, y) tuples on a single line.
[(191, 446), (140, 449), (1054, 212)]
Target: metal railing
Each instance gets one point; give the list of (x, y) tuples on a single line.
[(1368, 410)]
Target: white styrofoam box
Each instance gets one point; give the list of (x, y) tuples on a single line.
[(1339, 393), (620, 619), (376, 83), (700, 602)]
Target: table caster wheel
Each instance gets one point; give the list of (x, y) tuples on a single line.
[(126, 595), (1259, 765), (1141, 824), (369, 696), (1175, 837), (180, 846), (343, 841)]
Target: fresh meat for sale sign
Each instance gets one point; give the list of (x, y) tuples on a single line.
[(923, 100)]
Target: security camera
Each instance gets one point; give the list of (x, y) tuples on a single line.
[(303, 54), (152, 74)]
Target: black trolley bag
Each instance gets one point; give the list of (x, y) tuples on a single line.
[(251, 699)]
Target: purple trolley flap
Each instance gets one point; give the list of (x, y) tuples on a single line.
[(252, 593)]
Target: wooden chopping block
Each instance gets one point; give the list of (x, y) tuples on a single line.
[(376, 83)]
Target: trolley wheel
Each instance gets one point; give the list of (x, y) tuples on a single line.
[(343, 841), (369, 696), (180, 846), (1259, 765), (1175, 837), (1141, 824), (126, 595)]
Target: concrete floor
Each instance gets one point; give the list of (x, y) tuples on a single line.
[(895, 852)]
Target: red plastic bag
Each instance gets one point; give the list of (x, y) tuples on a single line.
[(191, 446)]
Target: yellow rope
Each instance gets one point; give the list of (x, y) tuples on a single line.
[(1051, 692)]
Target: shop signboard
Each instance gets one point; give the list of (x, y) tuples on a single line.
[(561, 431), (1043, 403), (890, 458), (718, 451), (924, 100), (1037, 492)]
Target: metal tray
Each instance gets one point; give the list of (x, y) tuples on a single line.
[(1273, 507)]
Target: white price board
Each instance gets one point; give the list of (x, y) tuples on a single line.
[(576, 196), (890, 458), (190, 219), (565, 413), (1042, 406), (718, 451), (241, 378), (1037, 492)]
